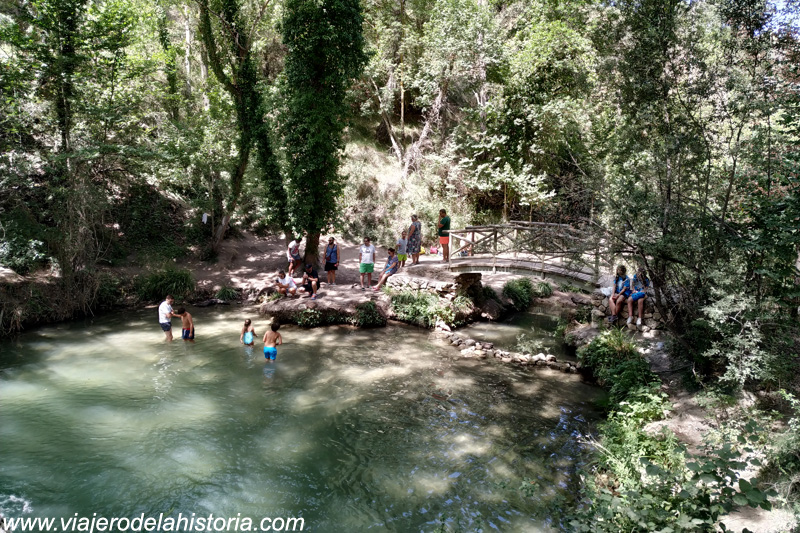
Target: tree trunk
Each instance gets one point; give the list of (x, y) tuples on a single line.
[(312, 249)]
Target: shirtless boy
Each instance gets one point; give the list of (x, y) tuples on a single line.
[(271, 340), (186, 323)]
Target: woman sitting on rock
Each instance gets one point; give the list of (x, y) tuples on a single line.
[(622, 289), (392, 264), (639, 285)]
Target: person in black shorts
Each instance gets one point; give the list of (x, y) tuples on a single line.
[(331, 260), (311, 281)]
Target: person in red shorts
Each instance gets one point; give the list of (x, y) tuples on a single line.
[(444, 234)]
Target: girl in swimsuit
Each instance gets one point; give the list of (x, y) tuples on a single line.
[(248, 334)]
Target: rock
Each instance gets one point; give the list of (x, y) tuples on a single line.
[(488, 345), (604, 302), (550, 357), (483, 355), (210, 302), (552, 364), (632, 326), (648, 315), (455, 342), (650, 323), (467, 351), (491, 310), (498, 355), (580, 299), (564, 367), (478, 346), (470, 342), (538, 357), (573, 370), (600, 315), (505, 359)]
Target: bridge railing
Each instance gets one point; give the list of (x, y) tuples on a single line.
[(540, 242)]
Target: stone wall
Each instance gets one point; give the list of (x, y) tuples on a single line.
[(651, 318), (446, 285)]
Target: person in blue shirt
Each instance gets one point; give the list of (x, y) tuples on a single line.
[(331, 260), (639, 286), (392, 264), (622, 289)]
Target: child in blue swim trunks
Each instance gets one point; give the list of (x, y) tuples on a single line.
[(271, 341), (248, 336)]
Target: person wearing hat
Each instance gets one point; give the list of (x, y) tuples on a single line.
[(310, 281)]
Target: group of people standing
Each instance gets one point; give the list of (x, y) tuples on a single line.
[(409, 244)]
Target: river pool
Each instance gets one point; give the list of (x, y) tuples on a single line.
[(352, 430)]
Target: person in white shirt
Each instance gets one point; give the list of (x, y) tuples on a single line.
[(285, 284), (165, 316), (366, 262), (293, 255)]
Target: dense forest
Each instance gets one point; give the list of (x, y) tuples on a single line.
[(670, 129)]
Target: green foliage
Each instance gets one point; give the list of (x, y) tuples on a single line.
[(530, 345), (149, 223), (368, 315), (520, 291), (783, 459), (583, 314), (613, 359), (110, 291), (544, 289), (421, 308), (325, 52), (227, 293), (648, 483), (155, 286), (21, 250), (309, 318)]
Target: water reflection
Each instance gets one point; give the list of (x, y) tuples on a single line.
[(351, 429)]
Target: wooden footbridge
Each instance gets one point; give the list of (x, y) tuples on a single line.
[(548, 249)]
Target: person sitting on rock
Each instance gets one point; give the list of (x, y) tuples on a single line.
[(639, 285), (622, 289), (285, 284), (392, 264), (310, 281)]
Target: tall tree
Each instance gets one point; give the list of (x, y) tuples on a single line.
[(325, 53), (234, 65)]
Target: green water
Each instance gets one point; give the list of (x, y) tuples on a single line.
[(354, 430)]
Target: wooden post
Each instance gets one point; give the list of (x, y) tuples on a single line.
[(494, 253)]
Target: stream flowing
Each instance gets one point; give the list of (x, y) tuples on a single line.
[(353, 430)]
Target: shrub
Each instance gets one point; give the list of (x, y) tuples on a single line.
[(520, 292), (544, 289), (368, 315), (109, 291), (309, 318), (613, 359), (489, 293), (583, 314), (649, 483), (421, 308), (177, 282), (227, 293)]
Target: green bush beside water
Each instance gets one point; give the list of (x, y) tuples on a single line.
[(368, 316), (520, 292), (421, 308), (177, 282)]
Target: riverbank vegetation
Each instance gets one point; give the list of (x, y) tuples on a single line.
[(136, 133)]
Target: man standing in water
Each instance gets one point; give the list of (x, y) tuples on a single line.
[(165, 315)]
